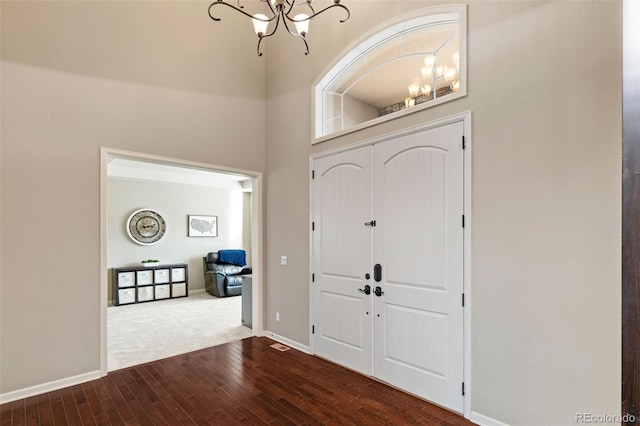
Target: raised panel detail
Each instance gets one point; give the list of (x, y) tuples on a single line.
[(338, 314), (342, 196), (416, 339), (415, 185)]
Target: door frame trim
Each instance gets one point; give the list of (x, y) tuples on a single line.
[(465, 118), (257, 235)]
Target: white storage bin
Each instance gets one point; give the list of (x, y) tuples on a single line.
[(126, 296), (177, 274), (163, 291), (161, 276), (178, 290), (145, 293), (126, 279), (144, 277)]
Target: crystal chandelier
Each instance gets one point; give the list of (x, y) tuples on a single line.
[(282, 10)]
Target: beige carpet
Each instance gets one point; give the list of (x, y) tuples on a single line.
[(149, 331)]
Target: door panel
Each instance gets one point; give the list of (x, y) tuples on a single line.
[(411, 335), (418, 193), (342, 257)]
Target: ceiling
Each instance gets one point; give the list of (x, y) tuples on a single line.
[(124, 168)]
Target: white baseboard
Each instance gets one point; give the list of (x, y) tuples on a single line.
[(288, 342), (48, 387), (485, 420)]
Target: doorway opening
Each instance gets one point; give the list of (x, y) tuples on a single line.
[(238, 209)]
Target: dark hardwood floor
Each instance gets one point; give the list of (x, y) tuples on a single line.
[(245, 382)]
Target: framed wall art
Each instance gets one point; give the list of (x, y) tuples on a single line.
[(203, 226)]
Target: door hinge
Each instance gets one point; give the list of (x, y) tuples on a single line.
[(462, 299), (313, 174), (462, 388), (313, 278), (463, 221), (464, 144), (313, 329), (313, 226)]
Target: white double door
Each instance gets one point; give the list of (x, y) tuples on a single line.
[(406, 328)]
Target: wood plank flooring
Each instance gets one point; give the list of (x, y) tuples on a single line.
[(244, 382)]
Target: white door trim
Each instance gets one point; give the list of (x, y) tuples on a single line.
[(465, 118), (257, 235)]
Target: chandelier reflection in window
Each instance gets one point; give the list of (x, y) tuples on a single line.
[(421, 89)]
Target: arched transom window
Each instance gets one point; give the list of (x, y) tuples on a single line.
[(414, 62)]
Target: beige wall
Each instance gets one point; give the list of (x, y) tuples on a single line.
[(544, 88), (159, 78)]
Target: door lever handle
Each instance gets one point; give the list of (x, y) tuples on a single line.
[(367, 289), (378, 291)]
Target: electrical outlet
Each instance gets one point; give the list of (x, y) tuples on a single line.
[(277, 316), (283, 260)]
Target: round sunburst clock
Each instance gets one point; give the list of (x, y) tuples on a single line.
[(146, 227)]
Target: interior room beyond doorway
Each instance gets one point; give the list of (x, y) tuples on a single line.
[(178, 192)]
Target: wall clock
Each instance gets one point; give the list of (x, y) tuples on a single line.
[(146, 226)]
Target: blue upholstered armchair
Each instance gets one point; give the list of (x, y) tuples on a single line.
[(224, 272)]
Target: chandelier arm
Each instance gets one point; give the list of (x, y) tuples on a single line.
[(260, 38), (274, 28), (289, 7), (295, 34), (323, 10), (234, 8), (258, 48), (295, 3), (303, 3), (313, 11), (273, 10)]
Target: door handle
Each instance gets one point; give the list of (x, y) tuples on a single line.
[(367, 289), (377, 272), (378, 291)]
